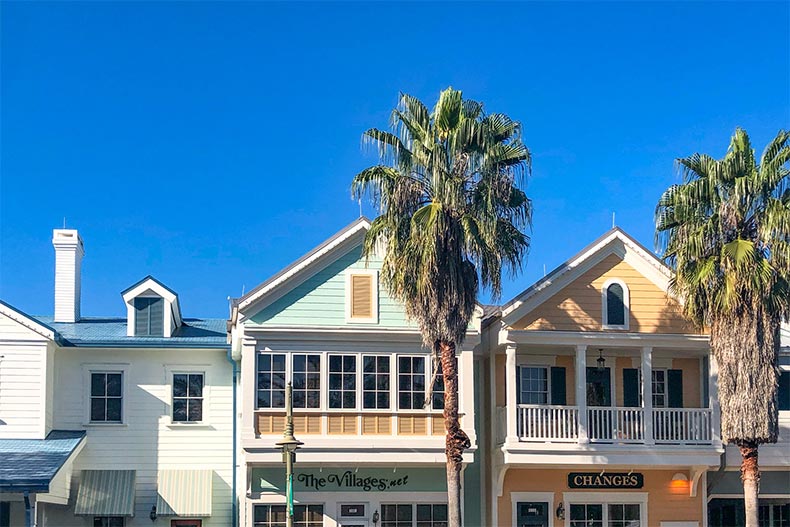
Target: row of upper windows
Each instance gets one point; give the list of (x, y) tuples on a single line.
[(348, 381), (107, 394)]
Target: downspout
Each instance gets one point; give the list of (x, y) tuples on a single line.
[(28, 512), (234, 503)]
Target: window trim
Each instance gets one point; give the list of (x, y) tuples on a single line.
[(606, 498), (173, 369), (393, 389), (426, 380), (357, 383), (605, 304), (374, 319), (537, 497), (323, 395), (666, 387), (548, 381), (104, 367)]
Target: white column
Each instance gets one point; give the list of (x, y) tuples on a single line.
[(647, 393), (713, 402), (511, 396), (466, 387), (581, 392)]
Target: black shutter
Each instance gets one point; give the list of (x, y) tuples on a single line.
[(784, 390), (631, 388), (558, 392), (675, 388)]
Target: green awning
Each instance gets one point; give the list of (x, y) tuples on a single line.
[(105, 493), (184, 493)]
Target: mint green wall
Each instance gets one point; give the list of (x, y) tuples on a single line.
[(379, 479), (321, 299)]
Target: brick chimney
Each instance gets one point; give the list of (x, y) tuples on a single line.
[(68, 261)]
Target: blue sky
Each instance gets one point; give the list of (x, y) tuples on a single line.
[(211, 144)]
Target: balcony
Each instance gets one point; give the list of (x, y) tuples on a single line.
[(614, 425)]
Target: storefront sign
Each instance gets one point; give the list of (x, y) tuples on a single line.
[(348, 480), (606, 480), (368, 479)]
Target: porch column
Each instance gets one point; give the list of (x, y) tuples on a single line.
[(713, 400), (581, 392), (511, 397), (647, 394)]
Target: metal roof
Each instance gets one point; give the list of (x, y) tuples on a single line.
[(30, 464), (111, 332)]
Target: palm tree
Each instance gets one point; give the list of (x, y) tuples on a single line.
[(726, 232), (452, 216)]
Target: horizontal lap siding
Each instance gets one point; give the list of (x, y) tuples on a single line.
[(22, 406), (148, 442), (321, 299), (578, 306)]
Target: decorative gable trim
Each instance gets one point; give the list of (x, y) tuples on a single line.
[(27, 321), (615, 242), (287, 277)]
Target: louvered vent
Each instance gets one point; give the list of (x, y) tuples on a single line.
[(361, 296)]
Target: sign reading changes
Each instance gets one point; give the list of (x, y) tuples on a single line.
[(607, 480)]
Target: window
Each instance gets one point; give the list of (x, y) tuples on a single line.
[(624, 515), (659, 388), (106, 397), (274, 516), (149, 313), (342, 381), (784, 390), (615, 304), (397, 515), (411, 383), (271, 380), (188, 397), (108, 521), (431, 515), (774, 515), (437, 399), (533, 385), (306, 381), (376, 382), (362, 296), (608, 515), (586, 515)]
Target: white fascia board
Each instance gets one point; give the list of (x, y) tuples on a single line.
[(592, 338), (27, 321), (343, 333), (614, 457), (633, 253), (361, 225), (144, 286)]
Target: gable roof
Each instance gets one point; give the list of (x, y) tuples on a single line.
[(360, 225), (653, 268), (149, 282), (27, 321)]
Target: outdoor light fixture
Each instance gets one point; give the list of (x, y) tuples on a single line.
[(152, 515), (560, 512), (679, 476), (375, 518), (600, 360), (288, 446)]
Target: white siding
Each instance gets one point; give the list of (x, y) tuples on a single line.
[(23, 355), (147, 442)]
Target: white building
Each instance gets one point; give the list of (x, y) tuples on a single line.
[(110, 422)]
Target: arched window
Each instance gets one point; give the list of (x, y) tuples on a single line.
[(615, 304)]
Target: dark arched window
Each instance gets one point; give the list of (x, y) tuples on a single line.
[(615, 305)]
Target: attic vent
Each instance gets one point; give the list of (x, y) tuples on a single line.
[(362, 297), (149, 314)]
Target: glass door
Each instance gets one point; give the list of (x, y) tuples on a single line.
[(532, 514)]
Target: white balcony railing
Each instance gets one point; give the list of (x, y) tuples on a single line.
[(548, 423), (682, 425), (615, 424)]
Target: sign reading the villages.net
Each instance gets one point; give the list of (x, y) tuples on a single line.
[(605, 480), (335, 479)]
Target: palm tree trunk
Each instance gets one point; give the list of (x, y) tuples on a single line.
[(750, 475), (456, 440)]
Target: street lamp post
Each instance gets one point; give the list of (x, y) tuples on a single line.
[(288, 446)]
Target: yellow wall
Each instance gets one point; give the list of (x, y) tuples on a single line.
[(667, 500), (578, 306)]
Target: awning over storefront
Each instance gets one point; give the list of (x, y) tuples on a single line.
[(106, 493), (29, 465), (184, 493)]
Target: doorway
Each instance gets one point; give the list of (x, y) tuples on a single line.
[(532, 514)]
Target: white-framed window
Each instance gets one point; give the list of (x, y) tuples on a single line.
[(188, 392), (658, 383), (108, 521), (413, 515), (275, 515), (603, 509), (615, 304), (411, 382), (270, 380), (437, 395), (362, 296), (342, 381), (533, 385), (106, 397), (376, 382), (306, 379)]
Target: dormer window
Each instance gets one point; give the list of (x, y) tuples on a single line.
[(149, 316), (362, 297), (152, 309), (614, 297)]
